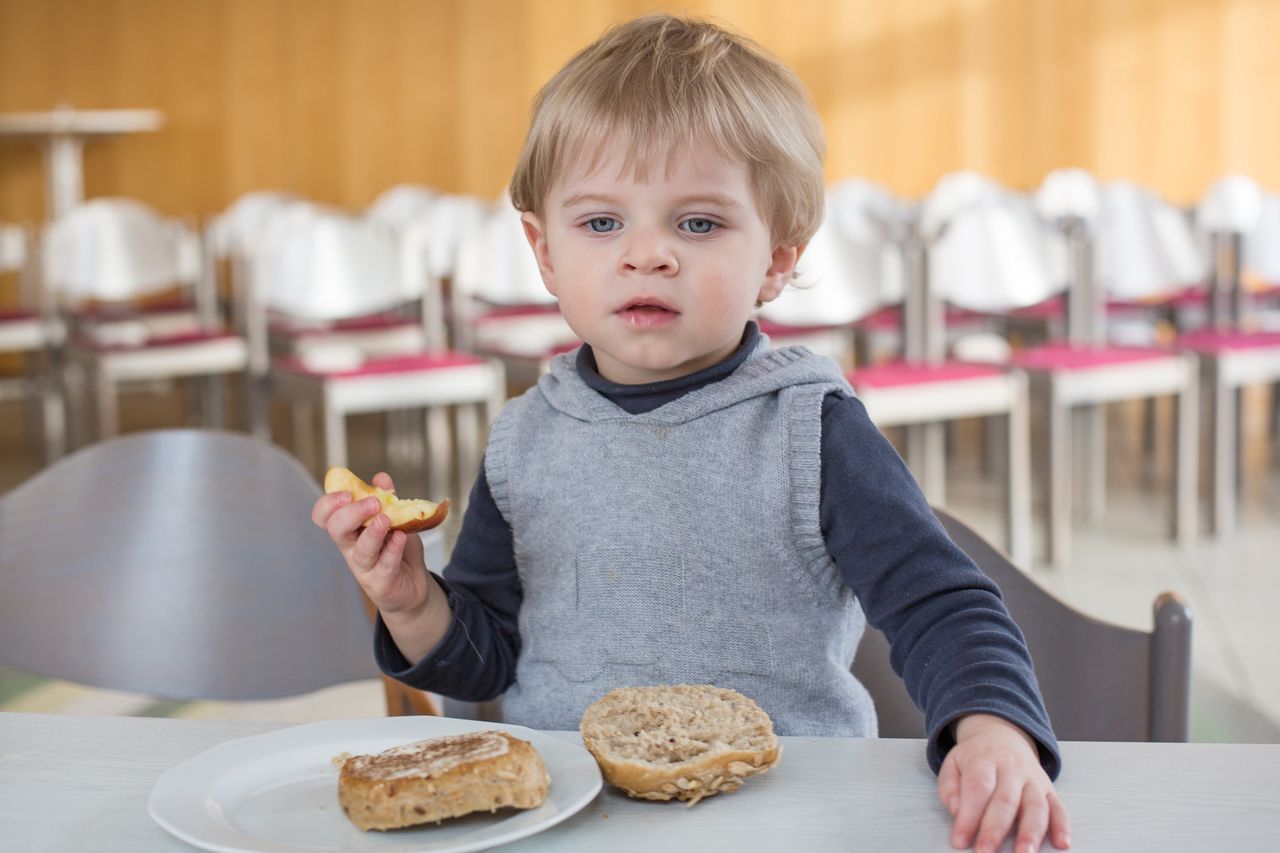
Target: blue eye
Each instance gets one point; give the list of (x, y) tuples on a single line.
[(698, 225), (602, 224)]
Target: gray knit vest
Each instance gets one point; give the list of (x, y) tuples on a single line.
[(678, 546)]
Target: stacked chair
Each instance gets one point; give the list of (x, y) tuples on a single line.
[(1138, 256), (500, 306), (1233, 356), (344, 278), (130, 288), (30, 330), (921, 391)]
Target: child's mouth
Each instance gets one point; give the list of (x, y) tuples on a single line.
[(645, 315)]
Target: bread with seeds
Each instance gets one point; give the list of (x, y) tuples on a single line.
[(431, 780), (683, 742)]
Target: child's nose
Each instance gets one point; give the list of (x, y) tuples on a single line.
[(649, 252)]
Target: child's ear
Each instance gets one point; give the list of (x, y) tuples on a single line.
[(782, 265), (535, 232)]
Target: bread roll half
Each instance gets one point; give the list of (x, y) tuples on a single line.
[(411, 516), (682, 742)]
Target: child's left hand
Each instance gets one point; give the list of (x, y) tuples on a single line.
[(992, 779)]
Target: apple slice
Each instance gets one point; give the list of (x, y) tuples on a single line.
[(411, 516)]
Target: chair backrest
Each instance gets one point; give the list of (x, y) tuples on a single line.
[(116, 249), (1262, 245), (401, 204), (1146, 247), (839, 279), (496, 265), (1100, 681), (236, 229), (182, 564)]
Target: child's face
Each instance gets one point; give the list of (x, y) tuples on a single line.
[(658, 276)]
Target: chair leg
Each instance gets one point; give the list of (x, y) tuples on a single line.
[(440, 473), (1095, 462), (466, 433), (1186, 467), (335, 437), (926, 457), (211, 404), (1223, 483), (1058, 480), (303, 424), (105, 403), (1018, 480), (257, 407)]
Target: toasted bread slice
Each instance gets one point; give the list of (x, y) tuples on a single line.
[(683, 742), (411, 516), (431, 780)]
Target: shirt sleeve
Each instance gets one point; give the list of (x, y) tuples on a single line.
[(476, 659), (952, 640)]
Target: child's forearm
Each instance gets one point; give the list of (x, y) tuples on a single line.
[(418, 631)]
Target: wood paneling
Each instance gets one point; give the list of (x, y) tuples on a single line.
[(339, 99)]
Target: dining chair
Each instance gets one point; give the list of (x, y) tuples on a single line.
[(1100, 682), (500, 307), (401, 204), (131, 289), (1139, 251), (30, 331), (921, 391), (1232, 355), (322, 267), (181, 564)]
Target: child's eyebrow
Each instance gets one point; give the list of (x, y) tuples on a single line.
[(715, 199)]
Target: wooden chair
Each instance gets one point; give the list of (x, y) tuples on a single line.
[(1100, 681), (181, 564)]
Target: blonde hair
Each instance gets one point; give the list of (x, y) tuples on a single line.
[(661, 82)]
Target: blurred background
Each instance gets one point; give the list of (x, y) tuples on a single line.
[(288, 218)]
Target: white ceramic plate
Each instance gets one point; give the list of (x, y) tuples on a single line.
[(278, 791)]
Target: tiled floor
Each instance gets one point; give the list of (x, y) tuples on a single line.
[(1118, 567)]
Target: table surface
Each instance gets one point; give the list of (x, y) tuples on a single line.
[(79, 122), (70, 783)]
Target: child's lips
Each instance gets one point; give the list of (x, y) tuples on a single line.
[(647, 315)]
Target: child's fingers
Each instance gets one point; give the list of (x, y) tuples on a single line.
[(344, 523), (326, 505), (949, 785), (976, 787), (383, 481), (1059, 823), (997, 819), (370, 543), (1033, 820), (392, 552)]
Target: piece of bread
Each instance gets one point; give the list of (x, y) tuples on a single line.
[(411, 516), (431, 780), (682, 742)]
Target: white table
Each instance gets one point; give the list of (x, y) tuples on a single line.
[(76, 783), (61, 134)]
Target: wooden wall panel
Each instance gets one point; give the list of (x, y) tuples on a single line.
[(339, 99)]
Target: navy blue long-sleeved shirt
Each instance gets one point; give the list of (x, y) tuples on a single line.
[(953, 642)]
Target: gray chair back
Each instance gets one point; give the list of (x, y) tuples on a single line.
[(1100, 681), (179, 563)]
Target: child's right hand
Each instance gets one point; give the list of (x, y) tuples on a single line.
[(390, 569)]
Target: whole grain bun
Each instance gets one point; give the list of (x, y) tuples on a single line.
[(411, 516), (444, 777), (683, 742)]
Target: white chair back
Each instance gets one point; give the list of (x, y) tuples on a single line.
[(993, 256), (953, 193), (1231, 205), (841, 275), (13, 248), (402, 204), (114, 249), (318, 265), (1262, 245), (496, 265), (1146, 247), (236, 229), (1067, 194)]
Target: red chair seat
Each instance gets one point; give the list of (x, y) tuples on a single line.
[(1064, 356), (16, 315), (291, 327), (382, 366), (890, 318), (1210, 341), (89, 342), (898, 373)]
